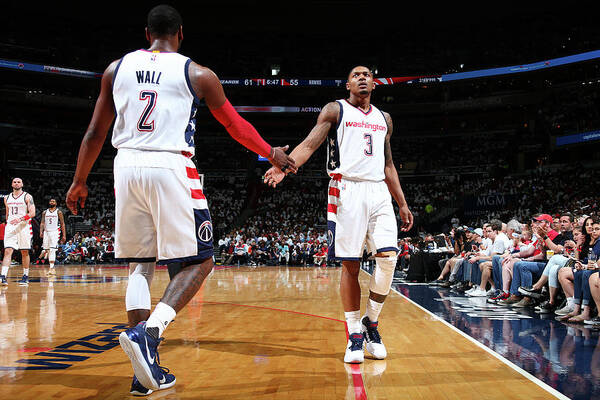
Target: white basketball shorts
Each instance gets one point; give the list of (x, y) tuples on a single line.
[(161, 213), (50, 240), (18, 236), (359, 213)]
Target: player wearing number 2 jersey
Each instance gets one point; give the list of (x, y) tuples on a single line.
[(360, 209), (17, 236), (161, 211)]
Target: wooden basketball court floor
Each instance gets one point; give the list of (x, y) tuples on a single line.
[(250, 333)]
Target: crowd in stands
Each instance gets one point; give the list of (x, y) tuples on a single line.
[(274, 248), (240, 206), (91, 248), (548, 263)]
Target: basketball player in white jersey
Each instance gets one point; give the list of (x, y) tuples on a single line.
[(360, 209), (17, 235), (161, 211), (53, 224)]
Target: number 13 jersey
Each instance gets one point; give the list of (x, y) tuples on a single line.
[(155, 103), (356, 148)]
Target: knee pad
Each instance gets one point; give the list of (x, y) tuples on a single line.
[(383, 274), (138, 293), (146, 270), (137, 296)]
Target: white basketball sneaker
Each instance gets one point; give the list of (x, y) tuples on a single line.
[(373, 340), (354, 351)]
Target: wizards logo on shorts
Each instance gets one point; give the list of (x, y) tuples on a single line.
[(205, 231)]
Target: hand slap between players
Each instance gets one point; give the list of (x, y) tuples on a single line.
[(273, 176), (283, 161), (78, 193)]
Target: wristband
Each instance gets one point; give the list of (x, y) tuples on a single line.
[(25, 218)]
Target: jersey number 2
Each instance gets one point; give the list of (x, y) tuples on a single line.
[(143, 124)]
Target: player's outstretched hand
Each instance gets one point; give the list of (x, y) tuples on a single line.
[(282, 161), (78, 193), (407, 219), (273, 176)]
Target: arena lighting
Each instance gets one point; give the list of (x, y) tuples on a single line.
[(275, 70)]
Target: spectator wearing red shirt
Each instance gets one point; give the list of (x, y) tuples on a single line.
[(526, 272), (320, 257)]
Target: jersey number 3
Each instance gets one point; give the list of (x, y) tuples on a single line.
[(369, 148), (144, 125)]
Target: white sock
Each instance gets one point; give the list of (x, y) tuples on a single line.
[(161, 317), (570, 301), (353, 321), (373, 310), (26, 271), (4, 270)]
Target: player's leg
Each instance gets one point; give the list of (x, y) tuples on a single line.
[(183, 234), (182, 288), (382, 238), (379, 288), (135, 243), (24, 238), (50, 246), (137, 297), (25, 263), (350, 291), (350, 294), (138, 305), (52, 261), (11, 243), (347, 228), (8, 251)]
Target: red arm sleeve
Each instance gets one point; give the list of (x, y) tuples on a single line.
[(240, 129)]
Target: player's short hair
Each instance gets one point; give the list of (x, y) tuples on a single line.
[(356, 66), (164, 20)]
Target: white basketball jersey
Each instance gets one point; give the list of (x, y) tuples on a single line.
[(51, 220), (155, 103), (355, 150), (16, 206)]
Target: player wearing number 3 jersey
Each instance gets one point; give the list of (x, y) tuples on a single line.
[(161, 212), (359, 161)]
